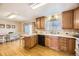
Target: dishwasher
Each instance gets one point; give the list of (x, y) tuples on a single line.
[(41, 40)]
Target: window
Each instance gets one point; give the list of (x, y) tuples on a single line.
[(53, 25), (28, 28), (56, 24)]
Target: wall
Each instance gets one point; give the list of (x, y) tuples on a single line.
[(5, 30), (21, 27)]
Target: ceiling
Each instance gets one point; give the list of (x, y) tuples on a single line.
[(26, 13)]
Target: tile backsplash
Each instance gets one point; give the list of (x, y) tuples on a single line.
[(64, 32), (68, 32)]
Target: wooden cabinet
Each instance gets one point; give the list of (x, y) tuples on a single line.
[(52, 42), (33, 41), (67, 45), (63, 44), (71, 46), (76, 18), (68, 19), (30, 41), (40, 22), (60, 43), (47, 40)]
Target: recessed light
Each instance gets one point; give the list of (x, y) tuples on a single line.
[(36, 5)]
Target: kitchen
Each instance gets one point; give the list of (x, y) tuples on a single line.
[(58, 32), (51, 29)]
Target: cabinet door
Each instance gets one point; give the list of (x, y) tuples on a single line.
[(67, 19), (76, 18), (54, 43), (47, 41), (27, 42), (67, 45), (63, 44), (38, 23), (35, 37), (42, 22), (71, 46), (33, 41)]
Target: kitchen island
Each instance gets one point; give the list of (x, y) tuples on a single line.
[(30, 41)]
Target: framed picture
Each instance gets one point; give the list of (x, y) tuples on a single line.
[(2, 25), (8, 26), (13, 26)]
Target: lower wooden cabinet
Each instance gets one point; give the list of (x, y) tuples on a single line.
[(63, 44), (67, 45), (30, 41), (71, 46), (47, 41), (60, 43), (52, 42)]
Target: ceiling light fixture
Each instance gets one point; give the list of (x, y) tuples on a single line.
[(12, 16), (36, 5)]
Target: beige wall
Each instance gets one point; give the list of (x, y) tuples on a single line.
[(5, 30), (21, 28)]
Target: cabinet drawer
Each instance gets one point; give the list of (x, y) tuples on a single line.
[(63, 48), (62, 40), (63, 45)]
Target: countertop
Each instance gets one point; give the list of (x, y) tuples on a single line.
[(27, 35), (59, 35)]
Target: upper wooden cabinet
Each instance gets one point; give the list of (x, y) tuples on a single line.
[(67, 19), (40, 22), (38, 25), (76, 18)]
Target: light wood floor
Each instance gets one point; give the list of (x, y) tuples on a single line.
[(16, 48)]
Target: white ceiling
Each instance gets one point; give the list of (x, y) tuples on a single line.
[(25, 12)]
